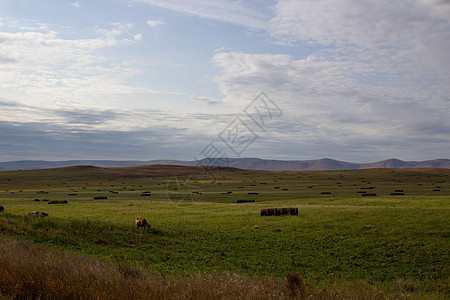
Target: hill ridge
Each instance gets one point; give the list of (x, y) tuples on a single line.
[(241, 163)]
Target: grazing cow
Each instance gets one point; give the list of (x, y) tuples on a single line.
[(141, 222), (293, 211), (278, 212), (2, 208), (285, 211), (264, 212), (270, 211)]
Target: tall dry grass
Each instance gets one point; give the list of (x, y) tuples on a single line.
[(31, 271)]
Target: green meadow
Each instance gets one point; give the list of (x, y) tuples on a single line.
[(397, 242)]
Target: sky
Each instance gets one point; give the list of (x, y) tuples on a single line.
[(352, 80)]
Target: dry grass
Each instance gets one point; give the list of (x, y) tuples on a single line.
[(31, 271)]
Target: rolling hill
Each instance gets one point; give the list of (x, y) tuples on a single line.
[(241, 163)]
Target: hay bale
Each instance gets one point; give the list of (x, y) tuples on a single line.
[(244, 201), (293, 211)]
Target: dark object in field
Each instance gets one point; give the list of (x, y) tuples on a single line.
[(399, 190), (59, 202), (361, 192), (253, 194), (436, 190), (2, 208), (369, 194), (100, 198), (285, 189), (45, 200), (310, 187), (38, 214), (366, 188), (325, 193), (145, 194), (37, 200), (72, 194), (293, 211), (276, 187), (397, 194), (141, 222), (239, 187), (198, 193), (42, 192), (245, 201)]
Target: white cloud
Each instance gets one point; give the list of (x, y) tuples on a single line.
[(76, 4), (155, 23), (39, 66), (326, 106), (205, 100), (246, 13)]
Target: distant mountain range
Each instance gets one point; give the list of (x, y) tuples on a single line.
[(242, 163)]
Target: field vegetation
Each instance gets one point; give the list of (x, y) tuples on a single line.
[(341, 245)]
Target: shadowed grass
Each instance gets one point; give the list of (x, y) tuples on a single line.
[(29, 271)]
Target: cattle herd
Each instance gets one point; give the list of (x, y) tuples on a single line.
[(293, 211)]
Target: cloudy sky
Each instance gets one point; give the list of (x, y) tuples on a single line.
[(158, 79)]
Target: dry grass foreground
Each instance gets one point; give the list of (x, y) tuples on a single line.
[(32, 271)]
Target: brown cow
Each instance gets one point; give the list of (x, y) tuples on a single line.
[(141, 222)]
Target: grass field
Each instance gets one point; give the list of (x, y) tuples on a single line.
[(398, 243)]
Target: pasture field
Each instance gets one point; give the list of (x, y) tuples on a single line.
[(399, 243)]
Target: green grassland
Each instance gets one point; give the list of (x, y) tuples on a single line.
[(342, 237)]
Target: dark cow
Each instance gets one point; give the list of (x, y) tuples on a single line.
[(264, 212), (278, 211), (285, 211), (270, 211), (1, 208)]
